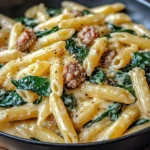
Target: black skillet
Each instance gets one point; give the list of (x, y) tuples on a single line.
[(139, 10)]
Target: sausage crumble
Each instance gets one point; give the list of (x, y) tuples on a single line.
[(88, 34), (74, 74), (26, 39)]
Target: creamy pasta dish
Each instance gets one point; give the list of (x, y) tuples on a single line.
[(74, 74)]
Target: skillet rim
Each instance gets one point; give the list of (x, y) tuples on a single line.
[(134, 134)]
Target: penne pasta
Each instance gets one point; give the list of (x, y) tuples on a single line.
[(62, 118), (141, 89), (79, 22), (130, 39), (60, 35), (94, 55), (107, 92)]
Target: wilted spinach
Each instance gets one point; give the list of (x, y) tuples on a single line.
[(123, 80), (38, 85), (115, 28), (97, 76), (86, 12), (145, 36), (69, 100), (29, 22), (113, 112), (139, 122), (79, 52), (38, 101), (40, 34), (1, 65), (54, 12), (10, 99), (140, 59)]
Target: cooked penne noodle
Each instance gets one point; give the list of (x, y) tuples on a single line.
[(137, 128), (118, 18), (94, 55), (44, 111), (140, 29), (52, 22), (79, 22), (37, 11), (27, 96), (8, 55), (6, 22), (14, 34), (19, 113), (56, 76), (4, 36), (89, 134), (129, 115), (62, 118), (108, 9), (130, 39), (85, 113), (124, 57), (36, 69), (141, 89), (74, 5), (60, 35), (107, 92)]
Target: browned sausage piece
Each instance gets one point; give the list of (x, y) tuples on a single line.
[(88, 34), (77, 13), (26, 39), (74, 74), (107, 58)]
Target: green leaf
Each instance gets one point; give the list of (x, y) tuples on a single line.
[(97, 76), (145, 36), (10, 99), (38, 85), (40, 34), (86, 12), (139, 122), (1, 65), (123, 80), (29, 22), (54, 12), (140, 59), (38, 101), (148, 78), (79, 52), (113, 112), (114, 28), (69, 100)]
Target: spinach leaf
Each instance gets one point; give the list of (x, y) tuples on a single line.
[(139, 122), (69, 100), (140, 59), (86, 12), (54, 12), (123, 80), (38, 101), (38, 85), (40, 34), (115, 28), (145, 36), (10, 99), (113, 112), (29, 22), (1, 65), (148, 78), (97, 76), (79, 52)]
